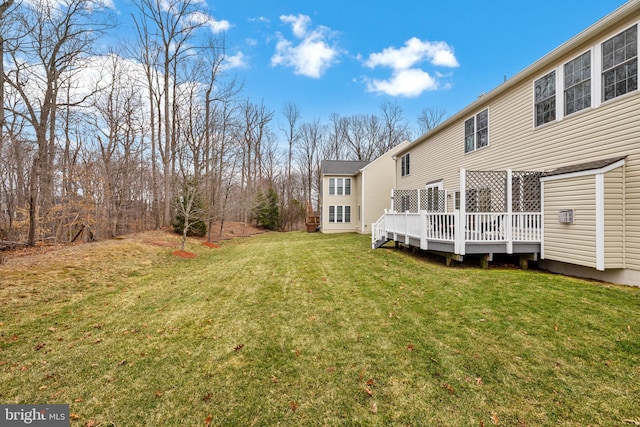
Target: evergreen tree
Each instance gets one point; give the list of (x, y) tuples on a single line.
[(267, 212)]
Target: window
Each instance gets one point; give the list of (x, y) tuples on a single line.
[(340, 214), (620, 64), (545, 99), (405, 164), (435, 197), (577, 84), (456, 200), (340, 186), (476, 131)]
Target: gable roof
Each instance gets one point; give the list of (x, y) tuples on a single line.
[(341, 167), (599, 29)]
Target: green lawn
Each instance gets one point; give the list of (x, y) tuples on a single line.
[(312, 329)]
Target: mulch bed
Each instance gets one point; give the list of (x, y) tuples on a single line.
[(184, 254)]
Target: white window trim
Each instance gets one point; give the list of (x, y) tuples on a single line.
[(402, 165), (342, 186), (475, 131), (439, 185), (559, 95), (596, 80), (599, 63), (342, 215)]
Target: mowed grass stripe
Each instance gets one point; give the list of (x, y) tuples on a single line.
[(312, 329)]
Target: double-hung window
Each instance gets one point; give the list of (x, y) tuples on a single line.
[(545, 98), (340, 186), (476, 131), (405, 164), (577, 84), (340, 214), (620, 64)]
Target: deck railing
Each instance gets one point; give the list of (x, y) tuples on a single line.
[(499, 227)]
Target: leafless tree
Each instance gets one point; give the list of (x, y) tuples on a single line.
[(311, 135), (165, 29), (292, 115), (4, 9), (47, 52), (429, 118), (118, 114), (394, 128)]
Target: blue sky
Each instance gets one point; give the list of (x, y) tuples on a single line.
[(348, 56)]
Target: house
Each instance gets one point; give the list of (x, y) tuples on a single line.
[(546, 166), (356, 193)]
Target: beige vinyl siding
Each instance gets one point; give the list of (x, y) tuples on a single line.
[(435, 160), (340, 200), (608, 130), (572, 243), (378, 179), (614, 253), (632, 211), (612, 129)]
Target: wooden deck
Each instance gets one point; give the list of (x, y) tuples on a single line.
[(456, 235)]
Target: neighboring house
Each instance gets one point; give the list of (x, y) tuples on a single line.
[(355, 194), (341, 209), (546, 165)]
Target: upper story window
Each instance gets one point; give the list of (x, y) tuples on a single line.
[(620, 64), (545, 98), (405, 164), (577, 84), (339, 186), (476, 131)]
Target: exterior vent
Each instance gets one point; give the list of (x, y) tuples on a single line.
[(565, 216)]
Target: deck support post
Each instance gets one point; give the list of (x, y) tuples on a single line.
[(523, 260), (449, 257), (484, 261)]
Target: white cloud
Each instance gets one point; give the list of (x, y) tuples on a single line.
[(57, 7), (413, 52), (262, 19), (312, 55), (407, 79), (408, 83), (235, 61), (209, 21), (298, 24)]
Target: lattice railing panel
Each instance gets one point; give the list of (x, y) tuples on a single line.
[(405, 200), (525, 191), (432, 200), (486, 191)]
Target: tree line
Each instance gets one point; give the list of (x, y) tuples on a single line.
[(99, 140)]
